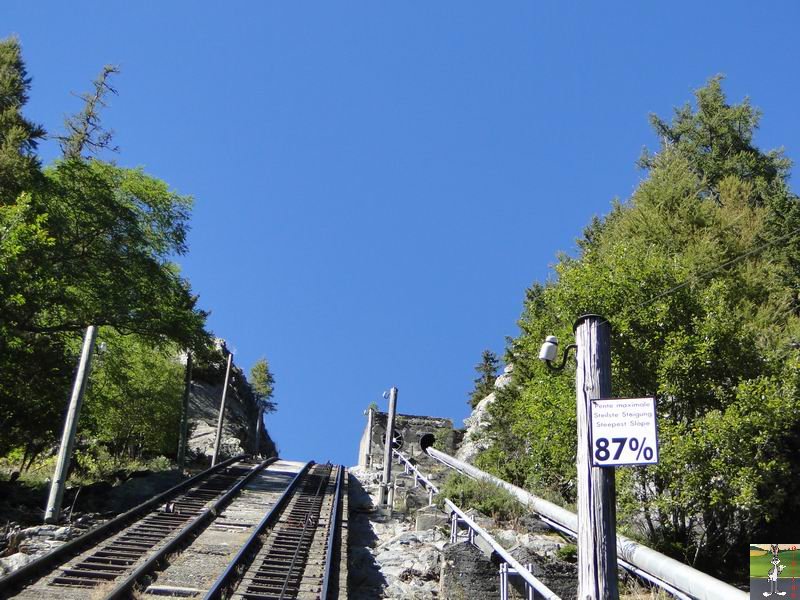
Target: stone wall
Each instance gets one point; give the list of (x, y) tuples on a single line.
[(408, 431)]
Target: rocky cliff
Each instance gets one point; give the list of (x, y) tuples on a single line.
[(241, 414)]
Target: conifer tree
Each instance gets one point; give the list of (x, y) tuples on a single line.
[(487, 373), (85, 133), (697, 273), (19, 166), (262, 382)]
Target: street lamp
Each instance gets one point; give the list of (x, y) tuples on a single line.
[(549, 352)]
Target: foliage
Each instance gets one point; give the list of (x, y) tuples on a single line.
[(99, 238), (262, 382), (483, 496), (698, 275), (133, 406), (487, 373), (19, 137), (86, 242), (85, 133), (568, 552)]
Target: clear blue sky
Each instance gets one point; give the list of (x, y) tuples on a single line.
[(376, 184)]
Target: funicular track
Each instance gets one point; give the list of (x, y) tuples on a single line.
[(114, 555), (292, 553)]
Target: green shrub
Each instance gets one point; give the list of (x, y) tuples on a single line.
[(568, 552), (483, 496)]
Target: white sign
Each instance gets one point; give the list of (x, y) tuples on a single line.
[(623, 431)]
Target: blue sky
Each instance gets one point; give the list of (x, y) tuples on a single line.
[(376, 184)]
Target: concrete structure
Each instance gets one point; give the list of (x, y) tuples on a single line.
[(409, 429)]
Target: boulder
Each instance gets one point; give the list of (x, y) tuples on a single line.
[(467, 574), (9, 564), (430, 517)]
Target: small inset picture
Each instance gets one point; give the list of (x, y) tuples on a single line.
[(773, 568)]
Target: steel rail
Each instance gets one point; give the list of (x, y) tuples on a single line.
[(532, 581), (125, 586), (62, 554), (662, 570), (225, 579), (333, 527), (320, 493)]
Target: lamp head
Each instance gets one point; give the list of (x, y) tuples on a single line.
[(549, 350)]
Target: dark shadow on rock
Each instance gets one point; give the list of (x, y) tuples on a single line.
[(364, 578), (467, 574), (559, 576)]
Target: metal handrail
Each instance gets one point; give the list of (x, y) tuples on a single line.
[(673, 576), (523, 572), (418, 476)]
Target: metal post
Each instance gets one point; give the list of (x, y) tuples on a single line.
[(259, 425), (387, 450), (597, 542), (503, 581), (184, 433), (70, 427), (530, 591), (222, 410), (370, 424)]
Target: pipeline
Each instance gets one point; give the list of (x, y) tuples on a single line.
[(682, 577)]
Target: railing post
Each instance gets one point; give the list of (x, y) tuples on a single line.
[(530, 591), (597, 537), (503, 581)]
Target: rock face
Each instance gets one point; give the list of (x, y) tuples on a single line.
[(467, 574), (239, 424), (387, 557), (406, 554), (477, 423)]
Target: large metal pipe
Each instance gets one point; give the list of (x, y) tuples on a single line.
[(683, 577)]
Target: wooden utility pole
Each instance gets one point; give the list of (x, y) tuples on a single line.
[(222, 410), (597, 503), (70, 427), (184, 433), (387, 450)]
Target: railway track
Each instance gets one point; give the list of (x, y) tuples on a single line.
[(296, 557), (181, 546)]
